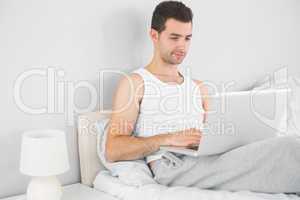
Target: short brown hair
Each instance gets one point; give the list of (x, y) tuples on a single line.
[(170, 9)]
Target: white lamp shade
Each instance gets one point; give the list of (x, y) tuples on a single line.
[(44, 153)]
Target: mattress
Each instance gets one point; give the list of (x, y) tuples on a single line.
[(104, 182)]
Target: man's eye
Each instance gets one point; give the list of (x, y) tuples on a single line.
[(174, 38), (188, 39)]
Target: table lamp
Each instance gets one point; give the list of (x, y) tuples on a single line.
[(43, 156)]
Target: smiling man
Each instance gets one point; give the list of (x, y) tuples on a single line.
[(157, 105), (153, 120)]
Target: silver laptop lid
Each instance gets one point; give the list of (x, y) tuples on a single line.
[(254, 115)]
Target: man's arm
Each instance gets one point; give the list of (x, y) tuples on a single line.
[(204, 97), (121, 145)]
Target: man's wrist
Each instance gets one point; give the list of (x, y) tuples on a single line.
[(163, 139)]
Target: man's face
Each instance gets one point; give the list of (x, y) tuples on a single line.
[(173, 42)]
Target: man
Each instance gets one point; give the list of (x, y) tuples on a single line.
[(133, 107), (171, 37)]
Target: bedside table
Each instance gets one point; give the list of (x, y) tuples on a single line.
[(75, 192)]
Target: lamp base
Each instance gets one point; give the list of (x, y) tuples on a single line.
[(45, 188)]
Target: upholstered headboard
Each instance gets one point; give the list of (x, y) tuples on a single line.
[(90, 163)]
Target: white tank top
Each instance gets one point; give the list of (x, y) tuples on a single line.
[(167, 107)]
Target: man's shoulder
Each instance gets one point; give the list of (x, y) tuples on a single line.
[(198, 82), (137, 78), (201, 85), (131, 84), (132, 78)]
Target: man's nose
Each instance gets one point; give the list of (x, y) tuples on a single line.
[(182, 45), (181, 49)]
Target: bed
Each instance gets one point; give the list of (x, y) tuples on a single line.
[(94, 174)]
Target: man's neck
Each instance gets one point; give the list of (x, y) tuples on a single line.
[(159, 67)]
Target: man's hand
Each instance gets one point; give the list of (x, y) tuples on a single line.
[(186, 138)]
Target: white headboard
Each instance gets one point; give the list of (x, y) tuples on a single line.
[(90, 164)]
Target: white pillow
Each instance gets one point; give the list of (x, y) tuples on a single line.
[(294, 106), (133, 172), (292, 120)]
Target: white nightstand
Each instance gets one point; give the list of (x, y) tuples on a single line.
[(75, 192)]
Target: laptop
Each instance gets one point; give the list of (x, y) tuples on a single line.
[(240, 118)]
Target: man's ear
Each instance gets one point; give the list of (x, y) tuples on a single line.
[(154, 35)]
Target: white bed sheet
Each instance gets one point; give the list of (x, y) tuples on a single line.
[(106, 183)]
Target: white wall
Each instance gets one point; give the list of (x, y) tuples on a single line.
[(234, 40)]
